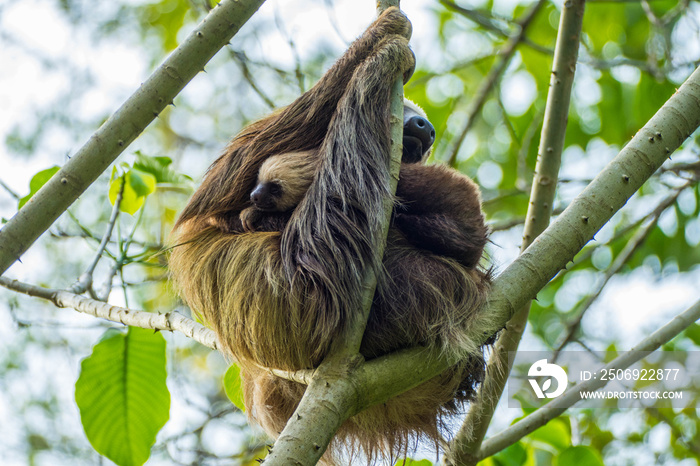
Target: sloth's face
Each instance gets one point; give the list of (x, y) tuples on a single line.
[(267, 195), (418, 134), (283, 180)]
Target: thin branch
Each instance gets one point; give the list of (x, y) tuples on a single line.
[(242, 60), (84, 282), (484, 20), (122, 128), (468, 440), (515, 221), (172, 321), (494, 24), (490, 80), (303, 376), (573, 395), (9, 190), (623, 258)]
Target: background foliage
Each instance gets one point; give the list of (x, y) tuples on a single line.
[(73, 62)]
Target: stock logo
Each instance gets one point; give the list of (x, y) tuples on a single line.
[(542, 368)]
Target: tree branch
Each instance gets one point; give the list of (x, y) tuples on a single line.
[(172, 321), (122, 128), (571, 396), (468, 440)]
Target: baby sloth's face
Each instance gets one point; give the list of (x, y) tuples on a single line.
[(283, 180)]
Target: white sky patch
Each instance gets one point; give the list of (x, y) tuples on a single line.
[(519, 91), (36, 24), (634, 305), (489, 174)]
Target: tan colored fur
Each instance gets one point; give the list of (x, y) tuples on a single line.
[(277, 169)]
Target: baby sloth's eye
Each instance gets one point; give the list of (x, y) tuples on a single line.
[(275, 189)]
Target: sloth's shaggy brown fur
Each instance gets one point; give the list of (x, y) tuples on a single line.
[(279, 296)]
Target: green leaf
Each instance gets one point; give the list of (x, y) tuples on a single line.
[(122, 395), (233, 386), (410, 462), (37, 182), (514, 455), (160, 168), (579, 455), (556, 433), (693, 332), (139, 184)]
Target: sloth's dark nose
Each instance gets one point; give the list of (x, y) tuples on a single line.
[(260, 194), (420, 128)]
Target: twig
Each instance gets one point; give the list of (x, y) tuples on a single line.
[(9, 190), (84, 282), (242, 60), (510, 223), (172, 321), (571, 396), (298, 72), (491, 23), (494, 74)]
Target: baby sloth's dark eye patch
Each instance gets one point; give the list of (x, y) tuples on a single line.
[(275, 189)]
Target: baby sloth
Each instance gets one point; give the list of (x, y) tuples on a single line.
[(282, 183)]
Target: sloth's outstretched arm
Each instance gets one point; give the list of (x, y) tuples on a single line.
[(331, 235), (440, 210), (302, 125)]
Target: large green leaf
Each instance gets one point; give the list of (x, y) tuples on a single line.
[(122, 395)]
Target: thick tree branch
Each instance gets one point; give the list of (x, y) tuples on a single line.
[(172, 321), (572, 395), (122, 128)]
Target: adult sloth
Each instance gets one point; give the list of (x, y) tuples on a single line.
[(278, 297)]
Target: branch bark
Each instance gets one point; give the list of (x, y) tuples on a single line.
[(172, 321), (122, 128)]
